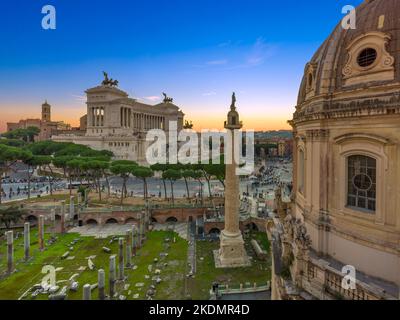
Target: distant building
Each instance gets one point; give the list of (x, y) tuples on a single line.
[(118, 123), (46, 126), (281, 149), (275, 146)]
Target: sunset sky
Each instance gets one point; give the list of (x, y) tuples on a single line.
[(197, 51)]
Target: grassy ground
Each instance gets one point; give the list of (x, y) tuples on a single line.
[(174, 286), (207, 274), (28, 274)]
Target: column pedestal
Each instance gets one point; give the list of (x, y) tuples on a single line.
[(232, 253)]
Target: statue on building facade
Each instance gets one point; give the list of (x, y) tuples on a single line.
[(167, 99), (109, 82)]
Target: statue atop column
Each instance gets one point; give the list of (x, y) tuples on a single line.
[(233, 105)]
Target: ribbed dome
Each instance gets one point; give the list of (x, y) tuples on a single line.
[(339, 65)]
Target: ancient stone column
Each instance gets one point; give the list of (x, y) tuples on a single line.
[(112, 276), (41, 233), (121, 266), (134, 240), (232, 251), (78, 204), (71, 207), (62, 217), (141, 230), (86, 196), (10, 251), (101, 284), (53, 220), (147, 217), (128, 248), (27, 241), (87, 292)]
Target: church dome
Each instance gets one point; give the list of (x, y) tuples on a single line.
[(351, 60)]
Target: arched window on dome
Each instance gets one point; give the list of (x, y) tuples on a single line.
[(310, 81), (301, 172), (361, 179)]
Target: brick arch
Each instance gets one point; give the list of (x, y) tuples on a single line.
[(130, 220), (171, 219), (111, 221), (252, 226), (92, 222), (215, 231), (31, 218)]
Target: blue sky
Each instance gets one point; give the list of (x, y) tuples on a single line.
[(198, 51)]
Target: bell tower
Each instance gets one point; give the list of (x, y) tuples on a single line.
[(46, 112)]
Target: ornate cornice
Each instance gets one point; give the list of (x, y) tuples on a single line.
[(361, 136), (317, 134), (345, 109)]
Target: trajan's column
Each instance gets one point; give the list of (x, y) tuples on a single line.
[(232, 253)]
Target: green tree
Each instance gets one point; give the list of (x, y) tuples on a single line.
[(143, 173), (203, 169), (96, 168), (47, 148), (13, 142), (75, 167), (188, 174), (197, 175), (33, 163), (61, 163), (217, 171), (172, 175), (27, 135), (11, 215), (104, 168), (161, 168), (31, 133), (123, 169), (8, 157)]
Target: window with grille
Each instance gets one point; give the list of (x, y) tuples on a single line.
[(367, 57), (361, 183)]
